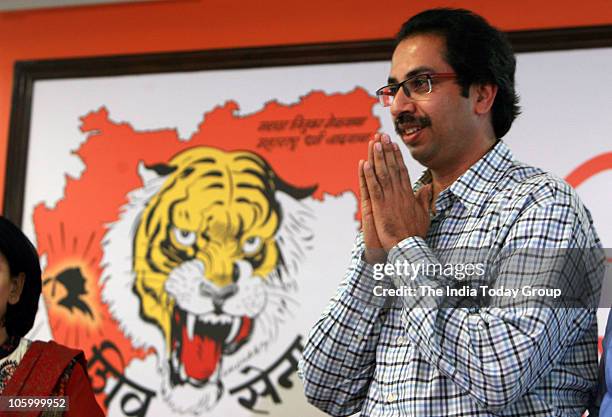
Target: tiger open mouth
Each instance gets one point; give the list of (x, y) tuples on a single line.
[(198, 342)]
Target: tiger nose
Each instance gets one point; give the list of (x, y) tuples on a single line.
[(223, 294), (219, 295), (226, 279)]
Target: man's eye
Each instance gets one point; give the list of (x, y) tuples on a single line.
[(419, 83)]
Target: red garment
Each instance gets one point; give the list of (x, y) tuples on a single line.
[(40, 372)]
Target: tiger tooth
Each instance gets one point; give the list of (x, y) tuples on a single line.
[(184, 376), (234, 330), (210, 318), (191, 322)]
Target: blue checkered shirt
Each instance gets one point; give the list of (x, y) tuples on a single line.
[(466, 361)]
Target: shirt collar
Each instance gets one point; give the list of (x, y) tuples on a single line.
[(475, 184)]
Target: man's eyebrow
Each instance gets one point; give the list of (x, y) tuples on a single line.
[(412, 73)]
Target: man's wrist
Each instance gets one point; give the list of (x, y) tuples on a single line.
[(362, 284), (373, 256)]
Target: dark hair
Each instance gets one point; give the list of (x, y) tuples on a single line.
[(21, 257), (478, 53)]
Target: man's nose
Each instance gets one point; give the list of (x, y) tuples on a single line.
[(402, 103)]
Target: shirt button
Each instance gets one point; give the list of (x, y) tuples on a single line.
[(391, 397), (359, 337), (400, 340)]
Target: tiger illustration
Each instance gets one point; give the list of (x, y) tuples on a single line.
[(205, 252)]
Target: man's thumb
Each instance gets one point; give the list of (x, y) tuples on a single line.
[(424, 197)]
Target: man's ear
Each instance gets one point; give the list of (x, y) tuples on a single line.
[(16, 288), (484, 95)]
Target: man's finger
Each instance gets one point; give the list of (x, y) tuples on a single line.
[(380, 166), (371, 148), (392, 167), (375, 190), (363, 188), (424, 197), (401, 168)]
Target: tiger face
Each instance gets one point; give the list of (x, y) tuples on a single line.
[(206, 250)]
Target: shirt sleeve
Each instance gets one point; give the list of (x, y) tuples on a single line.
[(496, 352), (339, 356)]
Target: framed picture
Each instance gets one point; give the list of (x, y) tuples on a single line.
[(112, 159)]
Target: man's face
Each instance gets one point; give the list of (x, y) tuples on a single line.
[(444, 118)]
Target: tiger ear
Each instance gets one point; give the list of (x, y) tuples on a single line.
[(298, 193), (150, 172)]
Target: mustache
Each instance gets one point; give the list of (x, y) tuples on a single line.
[(406, 119)]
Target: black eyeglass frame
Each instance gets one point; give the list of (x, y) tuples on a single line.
[(389, 91)]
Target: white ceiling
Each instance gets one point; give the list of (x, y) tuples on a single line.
[(9, 5)]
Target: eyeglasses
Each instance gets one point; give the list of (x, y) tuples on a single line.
[(417, 87)]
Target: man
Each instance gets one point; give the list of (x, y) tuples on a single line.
[(451, 96)]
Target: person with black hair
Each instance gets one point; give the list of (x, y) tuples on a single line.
[(43, 369), (394, 341)]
